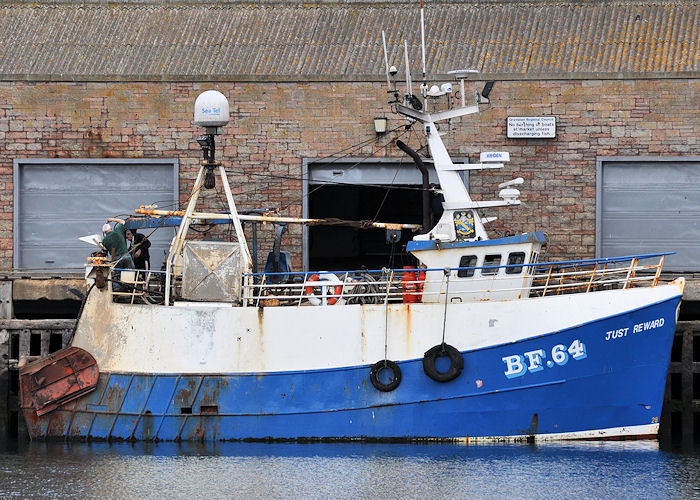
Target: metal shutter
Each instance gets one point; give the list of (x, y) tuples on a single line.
[(57, 201), (649, 205)]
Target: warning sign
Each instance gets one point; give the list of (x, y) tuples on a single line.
[(532, 127)]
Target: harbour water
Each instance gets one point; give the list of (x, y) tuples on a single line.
[(347, 470)]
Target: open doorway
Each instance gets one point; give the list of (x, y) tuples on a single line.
[(378, 190)]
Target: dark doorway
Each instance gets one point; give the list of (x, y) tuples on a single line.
[(335, 248)]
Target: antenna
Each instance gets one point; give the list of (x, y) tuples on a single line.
[(386, 62), (409, 84), (422, 37), (461, 75)]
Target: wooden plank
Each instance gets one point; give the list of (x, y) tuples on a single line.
[(665, 423), (66, 336), (687, 385), (45, 338), (42, 324), (4, 377), (6, 311), (25, 336)]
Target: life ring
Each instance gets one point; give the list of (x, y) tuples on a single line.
[(393, 382), (330, 293), (440, 350)]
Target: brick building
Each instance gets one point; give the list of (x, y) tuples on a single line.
[(105, 81)]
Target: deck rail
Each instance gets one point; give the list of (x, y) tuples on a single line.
[(411, 284)]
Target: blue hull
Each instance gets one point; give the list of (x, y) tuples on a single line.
[(606, 374)]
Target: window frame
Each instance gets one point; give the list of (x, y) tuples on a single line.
[(467, 273), (492, 272), (515, 270)]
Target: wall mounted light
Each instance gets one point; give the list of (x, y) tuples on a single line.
[(380, 124)]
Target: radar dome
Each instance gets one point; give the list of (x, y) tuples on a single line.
[(211, 109)]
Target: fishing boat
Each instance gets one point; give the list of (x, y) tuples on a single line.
[(479, 341)]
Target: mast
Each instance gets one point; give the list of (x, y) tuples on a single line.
[(457, 201), (422, 39)]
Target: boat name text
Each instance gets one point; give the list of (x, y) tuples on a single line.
[(619, 333), (534, 361)]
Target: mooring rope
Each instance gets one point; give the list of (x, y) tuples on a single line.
[(389, 276), (447, 293)]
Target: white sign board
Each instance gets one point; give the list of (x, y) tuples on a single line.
[(532, 127), (494, 156)]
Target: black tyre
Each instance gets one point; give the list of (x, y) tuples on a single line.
[(379, 367), (442, 350)]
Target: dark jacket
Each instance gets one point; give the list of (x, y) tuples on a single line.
[(140, 242)]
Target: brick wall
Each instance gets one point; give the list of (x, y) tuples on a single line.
[(275, 125)]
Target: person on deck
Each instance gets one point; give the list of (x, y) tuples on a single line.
[(114, 241), (138, 248)]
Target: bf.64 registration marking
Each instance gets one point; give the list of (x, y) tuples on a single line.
[(534, 361)]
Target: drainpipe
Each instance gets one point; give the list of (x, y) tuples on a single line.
[(424, 172)]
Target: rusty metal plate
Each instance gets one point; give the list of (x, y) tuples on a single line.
[(211, 271), (57, 379)]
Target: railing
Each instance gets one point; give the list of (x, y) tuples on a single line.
[(138, 285), (420, 284), (596, 274), (433, 285)]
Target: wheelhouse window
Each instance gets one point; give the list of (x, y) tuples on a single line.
[(491, 260), (514, 259), (466, 261)]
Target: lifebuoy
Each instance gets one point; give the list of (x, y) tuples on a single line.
[(330, 293), (440, 350), (377, 368)]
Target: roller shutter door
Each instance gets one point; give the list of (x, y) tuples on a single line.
[(57, 201), (649, 205)]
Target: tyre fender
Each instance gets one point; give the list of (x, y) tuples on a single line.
[(440, 350), (385, 364)]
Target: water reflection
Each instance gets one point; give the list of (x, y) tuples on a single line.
[(347, 470)]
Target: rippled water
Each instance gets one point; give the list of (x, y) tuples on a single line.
[(347, 470)]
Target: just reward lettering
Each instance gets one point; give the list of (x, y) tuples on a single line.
[(536, 360), (619, 333)]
